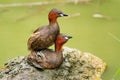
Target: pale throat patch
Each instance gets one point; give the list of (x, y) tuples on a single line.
[(66, 38), (61, 15)]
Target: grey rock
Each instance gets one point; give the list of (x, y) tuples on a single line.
[(77, 65)]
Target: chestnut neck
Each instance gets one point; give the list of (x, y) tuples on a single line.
[(58, 47), (52, 20), (52, 17)]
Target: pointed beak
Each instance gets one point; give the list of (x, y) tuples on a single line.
[(62, 14), (69, 37)]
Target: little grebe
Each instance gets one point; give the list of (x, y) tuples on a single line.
[(45, 36), (49, 59)]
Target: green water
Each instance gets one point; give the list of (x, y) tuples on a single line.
[(101, 37)]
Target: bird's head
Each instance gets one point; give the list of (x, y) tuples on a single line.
[(54, 13), (62, 39)]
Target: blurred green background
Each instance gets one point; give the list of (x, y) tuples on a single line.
[(94, 25)]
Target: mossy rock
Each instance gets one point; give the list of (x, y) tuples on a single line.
[(77, 65)]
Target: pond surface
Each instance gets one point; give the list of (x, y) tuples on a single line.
[(99, 36)]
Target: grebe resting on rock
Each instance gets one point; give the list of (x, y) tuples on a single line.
[(49, 59), (45, 36)]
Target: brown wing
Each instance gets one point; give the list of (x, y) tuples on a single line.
[(52, 59), (33, 41), (42, 38)]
